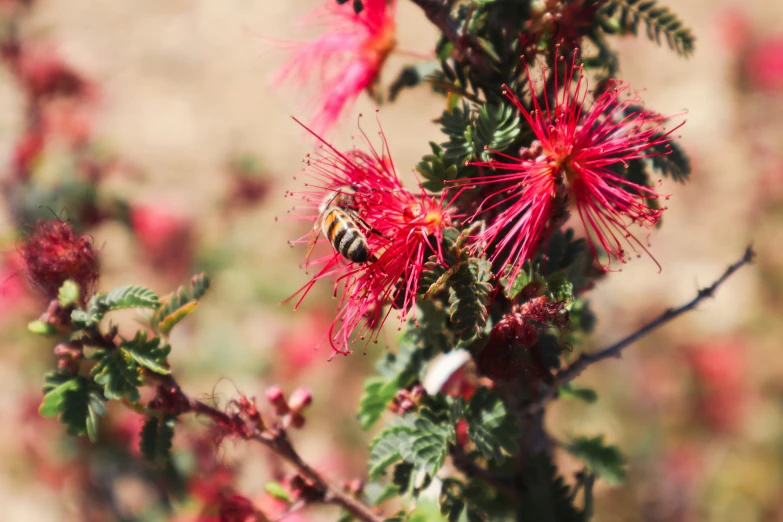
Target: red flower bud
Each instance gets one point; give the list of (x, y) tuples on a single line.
[(300, 399), (54, 253), (276, 397)]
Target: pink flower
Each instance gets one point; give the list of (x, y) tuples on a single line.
[(166, 239), (12, 289), (401, 229), (345, 60), (720, 369), (576, 148), (44, 74)]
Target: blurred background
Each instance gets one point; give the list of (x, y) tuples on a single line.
[(167, 109)]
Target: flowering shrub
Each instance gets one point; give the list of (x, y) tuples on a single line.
[(479, 259)]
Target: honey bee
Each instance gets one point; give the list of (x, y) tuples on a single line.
[(342, 226)]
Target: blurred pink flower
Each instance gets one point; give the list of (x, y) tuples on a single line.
[(166, 239), (27, 151), (735, 28), (69, 120), (721, 373), (764, 64), (345, 60), (44, 74), (580, 144), (12, 288)]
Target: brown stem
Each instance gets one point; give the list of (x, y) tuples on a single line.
[(276, 439), (615, 350)]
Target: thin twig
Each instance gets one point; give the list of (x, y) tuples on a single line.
[(276, 439), (615, 350)]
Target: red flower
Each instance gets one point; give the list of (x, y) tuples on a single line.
[(345, 60), (578, 143), (402, 230), (54, 253)]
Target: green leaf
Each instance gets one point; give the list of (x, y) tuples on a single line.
[(403, 369), (68, 293), (120, 371), (130, 296), (469, 292), (429, 443), (147, 353), (624, 17), (569, 391), (41, 328), (179, 304), (170, 321), (671, 161), (345, 516), (560, 288), (120, 298), (527, 276), (606, 461), (76, 400), (378, 394), (411, 76), (56, 390), (487, 47), (119, 376), (403, 476), (497, 126), (546, 495), (387, 448), (277, 490), (490, 427), (436, 170), (457, 124), (451, 499), (388, 492), (156, 436)]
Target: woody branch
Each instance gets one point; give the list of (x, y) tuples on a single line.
[(576, 368)]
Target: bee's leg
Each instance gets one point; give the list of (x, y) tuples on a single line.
[(311, 244)]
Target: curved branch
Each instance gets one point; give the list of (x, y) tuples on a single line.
[(615, 350), (276, 439)]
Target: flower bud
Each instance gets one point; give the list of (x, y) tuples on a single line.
[(300, 399), (295, 420), (276, 397)]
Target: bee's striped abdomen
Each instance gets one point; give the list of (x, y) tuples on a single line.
[(345, 237)]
